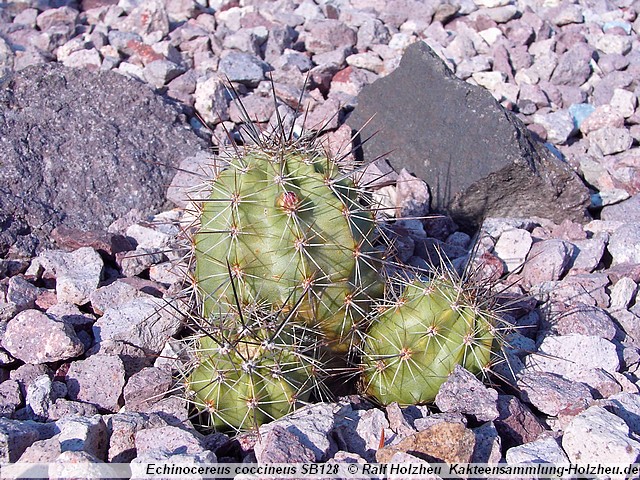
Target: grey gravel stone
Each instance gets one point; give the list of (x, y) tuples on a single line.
[(136, 262), (145, 388), (574, 66), (627, 407), (17, 435), (189, 182), (22, 293), (71, 315), (34, 337), (242, 68), (544, 450), (10, 397), (144, 322), (160, 72), (464, 393), (280, 445), (312, 426), (623, 245), (565, 354), (609, 140), (584, 320), (597, 435), (112, 295), (488, 444), (122, 428), (547, 260), (588, 253), (86, 434), (550, 393), (627, 211), (77, 273), (98, 380), (360, 431), (172, 440), (68, 408)]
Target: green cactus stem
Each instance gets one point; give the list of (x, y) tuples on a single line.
[(287, 221), (416, 341), (252, 369)]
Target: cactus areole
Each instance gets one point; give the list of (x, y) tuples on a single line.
[(417, 340), (285, 224)]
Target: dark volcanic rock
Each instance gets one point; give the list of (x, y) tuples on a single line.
[(81, 149), (478, 159)]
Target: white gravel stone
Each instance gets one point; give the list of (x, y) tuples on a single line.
[(624, 102), (512, 247), (312, 426), (610, 140), (87, 434), (544, 450), (598, 436), (623, 244), (566, 354), (210, 99), (559, 125), (491, 35), (146, 323), (77, 273), (613, 44), (42, 393), (623, 293), (492, 3), (147, 237), (90, 58), (627, 407), (489, 80)]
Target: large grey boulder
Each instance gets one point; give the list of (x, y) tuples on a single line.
[(478, 159), (81, 149)]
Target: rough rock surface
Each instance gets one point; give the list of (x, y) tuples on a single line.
[(478, 159), (53, 174)]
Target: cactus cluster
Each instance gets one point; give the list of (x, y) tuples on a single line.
[(287, 281)]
